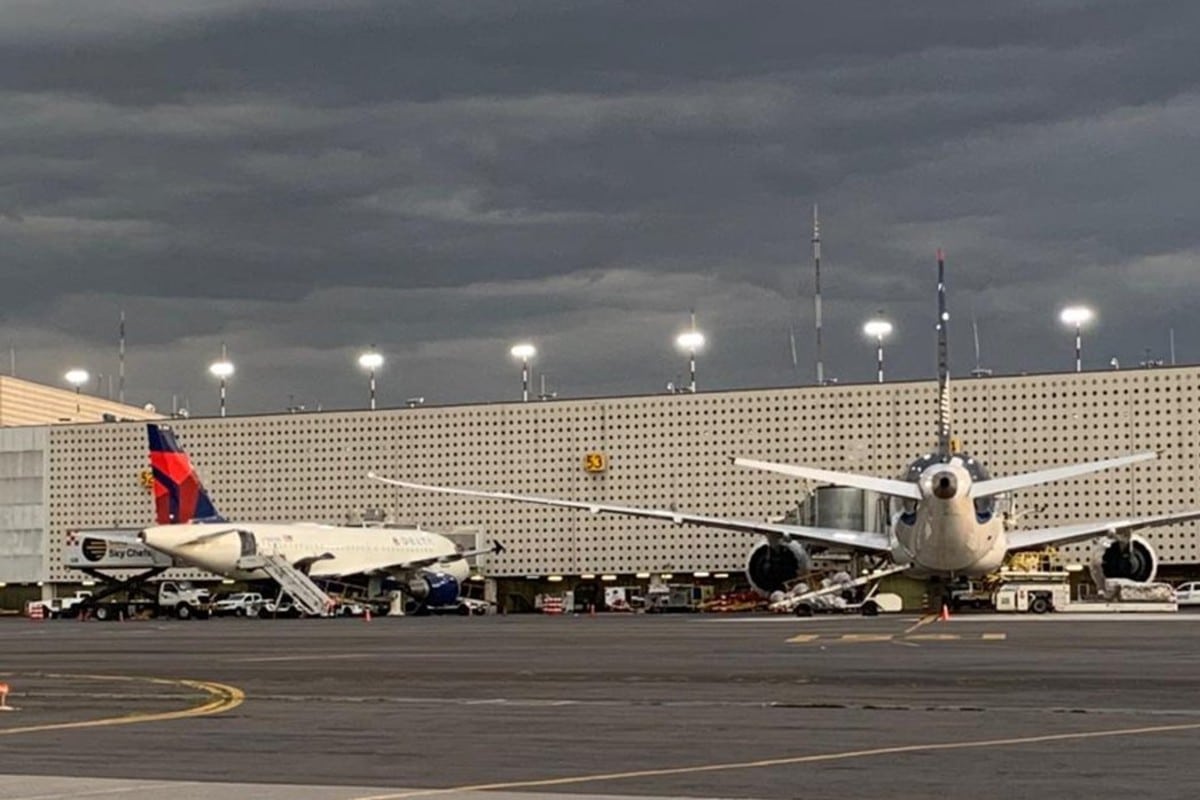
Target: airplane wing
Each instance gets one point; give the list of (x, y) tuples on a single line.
[(1012, 482), (832, 537), (886, 486), (495, 548), (1066, 534)]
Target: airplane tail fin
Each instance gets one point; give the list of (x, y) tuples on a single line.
[(943, 357), (179, 496)]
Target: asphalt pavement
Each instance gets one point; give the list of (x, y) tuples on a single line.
[(602, 706)]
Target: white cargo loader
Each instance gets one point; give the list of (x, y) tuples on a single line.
[(1041, 592), (1124, 596), (803, 601)]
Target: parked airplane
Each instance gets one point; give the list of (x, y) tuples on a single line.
[(426, 566), (947, 525)]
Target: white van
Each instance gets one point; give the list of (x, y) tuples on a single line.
[(1188, 594)]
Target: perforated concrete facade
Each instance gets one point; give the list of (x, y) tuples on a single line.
[(23, 523), (663, 451)]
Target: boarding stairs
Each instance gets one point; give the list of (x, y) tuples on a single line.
[(304, 593)]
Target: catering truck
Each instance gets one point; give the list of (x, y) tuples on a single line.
[(128, 579)]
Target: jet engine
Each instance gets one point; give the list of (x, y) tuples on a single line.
[(434, 589), (770, 566), (1135, 561)]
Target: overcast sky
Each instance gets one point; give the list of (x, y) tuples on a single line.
[(302, 179)]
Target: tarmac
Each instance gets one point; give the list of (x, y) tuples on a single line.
[(673, 706)]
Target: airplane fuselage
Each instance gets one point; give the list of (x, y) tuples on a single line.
[(946, 533), (328, 551)]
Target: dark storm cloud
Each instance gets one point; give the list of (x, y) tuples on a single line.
[(301, 180)]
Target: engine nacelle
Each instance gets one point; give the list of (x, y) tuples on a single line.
[(434, 589), (769, 566), (1113, 559)]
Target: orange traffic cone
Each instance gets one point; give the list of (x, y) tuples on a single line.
[(4, 706), (945, 615), (367, 614)]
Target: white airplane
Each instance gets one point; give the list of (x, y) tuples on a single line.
[(426, 566), (947, 526)]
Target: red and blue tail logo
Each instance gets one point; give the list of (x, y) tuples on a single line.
[(178, 494)]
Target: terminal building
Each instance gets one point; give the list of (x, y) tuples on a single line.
[(669, 451)]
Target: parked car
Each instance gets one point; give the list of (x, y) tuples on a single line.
[(61, 606), (281, 608), (1188, 594), (239, 604), (463, 607), (350, 608), (469, 606)]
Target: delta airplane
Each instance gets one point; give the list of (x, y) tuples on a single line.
[(947, 525), (426, 566)]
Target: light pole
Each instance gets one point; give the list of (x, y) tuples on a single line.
[(523, 352), (77, 378), (1077, 316), (371, 361), (878, 329), (690, 341), (222, 370)]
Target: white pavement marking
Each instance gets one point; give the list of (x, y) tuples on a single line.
[(45, 787), (321, 657)]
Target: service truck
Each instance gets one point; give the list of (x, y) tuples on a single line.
[(180, 599), (60, 606), (128, 579), (1035, 596)]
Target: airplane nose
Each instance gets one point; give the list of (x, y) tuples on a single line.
[(945, 485)]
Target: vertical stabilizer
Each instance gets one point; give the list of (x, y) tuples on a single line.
[(943, 356), (179, 496)]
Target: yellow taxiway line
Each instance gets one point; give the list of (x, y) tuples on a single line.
[(221, 698), (790, 760), (899, 638)]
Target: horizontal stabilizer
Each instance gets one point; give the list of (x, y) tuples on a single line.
[(831, 537), (1013, 482), (886, 486), (1065, 534)]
